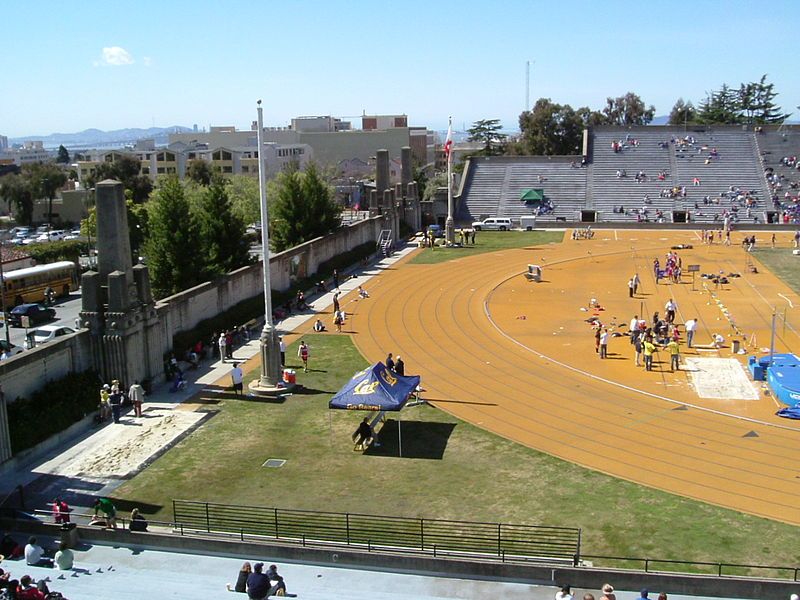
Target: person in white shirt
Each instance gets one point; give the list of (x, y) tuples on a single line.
[(691, 327), (237, 378), (670, 307), (282, 346), (64, 558), (34, 554), (604, 344), (564, 594)]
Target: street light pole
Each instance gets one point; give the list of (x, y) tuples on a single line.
[(267, 384)]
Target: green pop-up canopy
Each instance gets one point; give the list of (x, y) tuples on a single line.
[(532, 195)]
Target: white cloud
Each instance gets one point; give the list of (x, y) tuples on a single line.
[(114, 56)]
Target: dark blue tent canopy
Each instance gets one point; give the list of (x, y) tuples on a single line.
[(375, 388)]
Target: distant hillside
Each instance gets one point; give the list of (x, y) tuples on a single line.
[(96, 137)]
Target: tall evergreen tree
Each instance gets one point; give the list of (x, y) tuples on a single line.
[(301, 209), (63, 155), (682, 113), (173, 242), (222, 239), (720, 107), (487, 132)]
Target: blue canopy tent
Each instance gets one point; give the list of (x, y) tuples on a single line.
[(376, 388)]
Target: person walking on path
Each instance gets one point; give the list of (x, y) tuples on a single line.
[(390, 362), (303, 353), (282, 346), (136, 396), (335, 279), (604, 343), (222, 342), (229, 344), (399, 366), (237, 379), (674, 355), (636, 283), (630, 287), (336, 302), (691, 327), (597, 334), (115, 400)]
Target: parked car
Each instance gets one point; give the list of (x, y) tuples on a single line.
[(51, 236), (492, 224), (45, 333), (75, 234), (9, 349), (36, 313)]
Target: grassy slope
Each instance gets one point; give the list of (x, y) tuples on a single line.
[(477, 476)]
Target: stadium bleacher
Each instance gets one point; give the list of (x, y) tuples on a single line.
[(707, 174)]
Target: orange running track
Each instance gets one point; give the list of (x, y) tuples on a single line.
[(517, 358)]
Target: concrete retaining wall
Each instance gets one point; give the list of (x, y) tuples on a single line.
[(186, 309), (27, 372)]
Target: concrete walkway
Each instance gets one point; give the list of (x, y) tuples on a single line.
[(135, 572)]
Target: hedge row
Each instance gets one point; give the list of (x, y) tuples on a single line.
[(53, 408), (253, 308), (55, 251)]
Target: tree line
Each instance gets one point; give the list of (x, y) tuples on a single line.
[(553, 129), (190, 230)]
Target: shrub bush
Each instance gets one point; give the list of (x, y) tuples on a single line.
[(52, 409), (55, 251)]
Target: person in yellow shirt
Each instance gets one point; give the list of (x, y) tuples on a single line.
[(648, 348), (674, 355)]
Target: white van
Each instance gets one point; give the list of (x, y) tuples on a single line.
[(493, 224), (527, 223)]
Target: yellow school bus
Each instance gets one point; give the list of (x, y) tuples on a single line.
[(29, 284)]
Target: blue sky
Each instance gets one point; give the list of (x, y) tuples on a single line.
[(71, 66)]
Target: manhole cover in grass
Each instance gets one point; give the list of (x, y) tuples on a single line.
[(274, 463)]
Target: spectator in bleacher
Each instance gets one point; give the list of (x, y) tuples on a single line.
[(241, 579), (138, 522), (258, 584), (278, 584), (64, 558), (28, 591), (608, 592), (34, 554), (564, 593)]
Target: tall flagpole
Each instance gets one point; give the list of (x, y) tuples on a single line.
[(267, 384), (449, 226)]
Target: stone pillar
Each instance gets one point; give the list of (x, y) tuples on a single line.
[(406, 171), (382, 172), (113, 243), (374, 209), (117, 303)]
